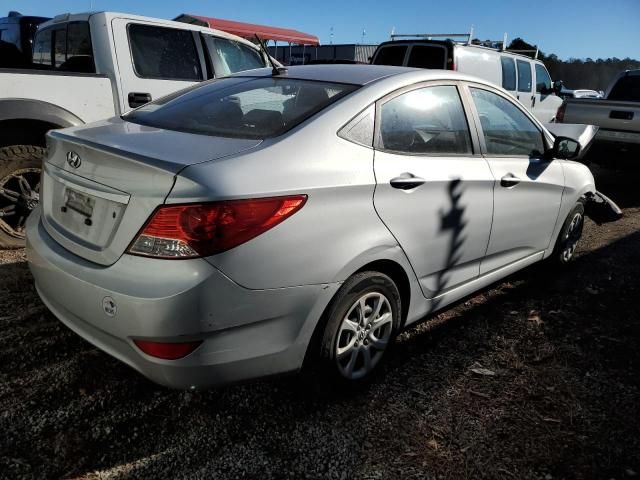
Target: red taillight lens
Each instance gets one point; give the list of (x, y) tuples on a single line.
[(560, 113), (167, 351), (199, 230)]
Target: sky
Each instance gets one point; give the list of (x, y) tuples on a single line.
[(568, 28)]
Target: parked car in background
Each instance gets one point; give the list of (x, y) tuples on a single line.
[(16, 39), (93, 66), (580, 93), (248, 227), (525, 78), (617, 115)]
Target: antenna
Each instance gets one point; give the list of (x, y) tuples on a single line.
[(275, 71)]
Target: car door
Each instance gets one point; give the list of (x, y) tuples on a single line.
[(528, 187), (155, 60), (434, 190), (545, 102)]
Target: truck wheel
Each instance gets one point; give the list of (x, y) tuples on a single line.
[(20, 167)]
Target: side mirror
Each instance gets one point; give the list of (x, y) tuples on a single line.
[(565, 148), (557, 86)]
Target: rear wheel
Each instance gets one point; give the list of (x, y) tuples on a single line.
[(20, 167), (570, 235), (362, 323)]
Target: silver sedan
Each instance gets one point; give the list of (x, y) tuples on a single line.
[(256, 223)]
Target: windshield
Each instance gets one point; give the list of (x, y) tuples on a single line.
[(241, 107)]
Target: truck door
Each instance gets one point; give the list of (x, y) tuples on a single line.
[(154, 60), (546, 102)]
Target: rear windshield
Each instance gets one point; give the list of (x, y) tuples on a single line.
[(241, 107), (627, 89), (391, 55), (427, 56)]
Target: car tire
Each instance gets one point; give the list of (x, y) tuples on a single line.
[(570, 234), (20, 167), (362, 322)]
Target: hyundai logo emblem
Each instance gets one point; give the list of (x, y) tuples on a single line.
[(73, 159)]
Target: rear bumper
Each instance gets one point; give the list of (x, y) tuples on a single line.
[(246, 333)]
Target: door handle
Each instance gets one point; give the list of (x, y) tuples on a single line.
[(137, 99), (406, 181), (533, 101), (509, 180)]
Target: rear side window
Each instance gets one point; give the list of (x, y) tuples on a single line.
[(42, 48), (524, 76), (627, 89), (164, 53), (235, 57), (428, 120), (507, 130), (543, 80), (508, 73), (391, 55), (70, 46), (426, 56), (241, 107)]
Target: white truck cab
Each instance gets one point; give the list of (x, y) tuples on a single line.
[(92, 66), (526, 78)]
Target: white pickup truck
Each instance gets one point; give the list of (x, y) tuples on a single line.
[(92, 66)]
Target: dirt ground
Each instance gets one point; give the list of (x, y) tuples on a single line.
[(559, 396)]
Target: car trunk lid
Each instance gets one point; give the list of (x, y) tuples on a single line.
[(101, 183)]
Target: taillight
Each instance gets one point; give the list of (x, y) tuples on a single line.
[(560, 113), (167, 351), (200, 230)]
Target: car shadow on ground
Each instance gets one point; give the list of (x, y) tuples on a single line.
[(558, 393)]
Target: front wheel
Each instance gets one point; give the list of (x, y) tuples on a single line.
[(363, 321), (19, 190), (570, 235)]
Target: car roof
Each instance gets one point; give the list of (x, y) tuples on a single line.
[(359, 74)]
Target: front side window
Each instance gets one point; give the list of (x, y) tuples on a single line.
[(506, 129), (164, 53), (241, 107), (235, 57), (508, 73), (543, 80), (524, 76), (428, 120), (391, 55)]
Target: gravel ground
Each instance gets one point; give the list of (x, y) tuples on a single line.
[(537, 377)]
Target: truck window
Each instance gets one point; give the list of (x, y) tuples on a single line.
[(235, 57), (524, 76), (42, 48), (164, 53), (427, 56), (627, 89), (70, 45), (508, 73), (543, 80), (391, 55)]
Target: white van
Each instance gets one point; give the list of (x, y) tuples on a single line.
[(527, 79)]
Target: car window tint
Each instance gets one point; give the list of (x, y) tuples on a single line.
[(524, 76), (507, 130), (627, 89), (543, 80), (426, 56), (392, 55), (42, 49), (241, 107), (164, 53), (508, 73), (428, 120), (235, 57), (79, 51)]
